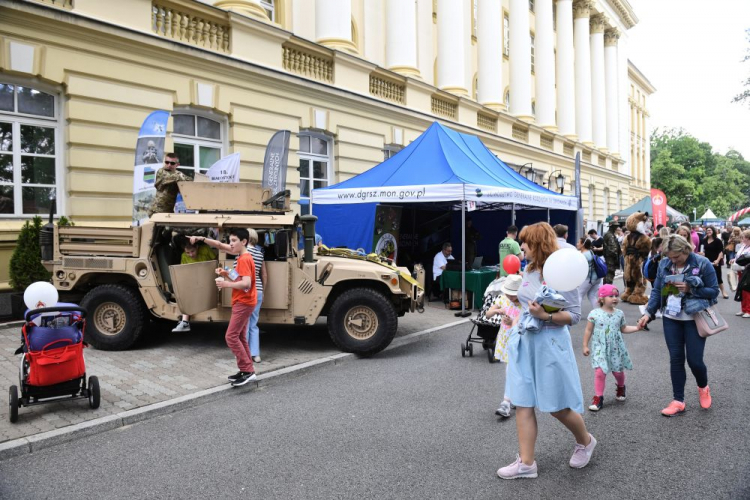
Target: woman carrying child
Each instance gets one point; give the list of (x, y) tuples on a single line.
[(508, 308), (606, 325)]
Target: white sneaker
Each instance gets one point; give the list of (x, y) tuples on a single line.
[(256, 359), (504, 410), (746, 315), (182, 326), (738, 314)]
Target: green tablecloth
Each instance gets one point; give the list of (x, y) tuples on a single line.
[(476, 281)]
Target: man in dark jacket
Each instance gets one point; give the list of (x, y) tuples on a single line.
[(612, 252)]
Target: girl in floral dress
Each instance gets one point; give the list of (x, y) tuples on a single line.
[(507, 309), (608, 351)]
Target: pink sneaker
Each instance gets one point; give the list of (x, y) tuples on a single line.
[(674, 409), (518, 470), (582, 454), (704, 395)]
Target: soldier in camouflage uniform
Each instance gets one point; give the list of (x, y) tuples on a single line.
[(612, 252), (166, 185)]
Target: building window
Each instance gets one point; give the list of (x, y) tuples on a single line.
[(506, 99), (606, 203), (554, 16), (390, 150), (619, 201), (506, 35), (269, 7), (314, 167), (474, 19), (533, 108), (531, 5), (198, 142), (28, 150), (592, 195), (532, 53)]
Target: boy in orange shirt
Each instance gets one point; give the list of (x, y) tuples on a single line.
[(242, 282)]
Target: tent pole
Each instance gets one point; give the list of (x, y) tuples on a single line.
[(463, 312), (548, 216), (513, 214)]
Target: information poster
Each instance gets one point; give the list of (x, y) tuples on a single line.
[(387, 226)]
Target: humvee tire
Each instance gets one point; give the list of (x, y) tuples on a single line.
[(116, 317), (362, 321)]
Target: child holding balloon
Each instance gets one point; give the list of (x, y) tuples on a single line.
[(606, 325)]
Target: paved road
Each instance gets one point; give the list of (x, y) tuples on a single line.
[(418, 422)]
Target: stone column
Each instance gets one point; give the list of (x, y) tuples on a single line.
[(401, 37), (251, 8), (581, 13), (425, 48), (598, 100), (333, 24), (611, 89), (374, 33), (566, 92), (452, 37), (544, 53), (520, 60), (490, 48)]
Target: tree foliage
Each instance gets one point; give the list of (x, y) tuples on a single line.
[(692, 175), (26, 262)]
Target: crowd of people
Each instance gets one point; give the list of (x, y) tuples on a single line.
[(684, 268)]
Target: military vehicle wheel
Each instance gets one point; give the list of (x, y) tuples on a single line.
[(116, 317), (362, 321)]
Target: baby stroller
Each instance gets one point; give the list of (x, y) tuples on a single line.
[(52, 365), (486, 329)]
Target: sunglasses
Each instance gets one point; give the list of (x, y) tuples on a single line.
[(170, 162)]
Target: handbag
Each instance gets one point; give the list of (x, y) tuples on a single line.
[(709, 322)]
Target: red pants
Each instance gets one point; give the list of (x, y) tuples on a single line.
[(745, 304), (236, 338)]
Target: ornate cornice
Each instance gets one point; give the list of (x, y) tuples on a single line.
[(611, 37), (582, 8), (598, 23), (625, 11)]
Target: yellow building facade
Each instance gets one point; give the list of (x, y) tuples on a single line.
[(78, 77), (640, 144)]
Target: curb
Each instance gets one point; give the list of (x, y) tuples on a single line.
[(30, 444)]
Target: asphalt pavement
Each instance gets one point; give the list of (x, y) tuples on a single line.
[(418, 422)]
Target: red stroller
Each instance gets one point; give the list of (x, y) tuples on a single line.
[(52, 365)]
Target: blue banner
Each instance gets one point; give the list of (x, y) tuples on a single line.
[(149, 158)]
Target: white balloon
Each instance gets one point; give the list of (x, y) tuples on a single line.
[(565, 269), (40, 294)]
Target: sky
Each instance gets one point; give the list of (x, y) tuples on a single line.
[(691, 51)]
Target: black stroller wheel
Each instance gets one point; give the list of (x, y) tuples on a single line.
[(470, 348), (463, 351), (94, 394), (491, 355), (13, 404)]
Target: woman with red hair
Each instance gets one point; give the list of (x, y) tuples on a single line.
[(542, 369)]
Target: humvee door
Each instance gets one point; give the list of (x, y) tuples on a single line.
[(195, 286)]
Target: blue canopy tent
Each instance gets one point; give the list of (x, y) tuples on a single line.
[(441, 168)]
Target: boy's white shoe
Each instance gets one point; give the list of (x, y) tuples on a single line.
[(182, 326)]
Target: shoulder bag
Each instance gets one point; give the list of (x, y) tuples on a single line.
[(709, 322)]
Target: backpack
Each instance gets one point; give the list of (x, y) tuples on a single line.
[(598, 265), (650, 267)]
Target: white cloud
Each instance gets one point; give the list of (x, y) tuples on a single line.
[(691, 51)]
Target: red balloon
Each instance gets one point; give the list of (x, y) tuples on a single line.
[(511, 264)]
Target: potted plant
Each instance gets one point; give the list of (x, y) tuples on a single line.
[(26, 264)]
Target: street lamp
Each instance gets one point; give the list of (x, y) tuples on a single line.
[(559, 180), (527, 171)]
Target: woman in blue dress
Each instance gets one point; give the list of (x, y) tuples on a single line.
[(542, 370)]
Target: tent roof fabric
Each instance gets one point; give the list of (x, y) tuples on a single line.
[(443, 165), (644, 205), (709, 215)]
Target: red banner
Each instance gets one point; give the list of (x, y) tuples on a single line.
[(659, 207)]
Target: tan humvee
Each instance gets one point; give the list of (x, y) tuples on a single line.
[(122, 274)]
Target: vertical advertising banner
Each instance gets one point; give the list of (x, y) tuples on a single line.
[(659, 207), (149, 158), (275, 162), (387, 227)]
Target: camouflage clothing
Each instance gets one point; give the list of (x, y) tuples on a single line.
[(166, 190), (612, 252)]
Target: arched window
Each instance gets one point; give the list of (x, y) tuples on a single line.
[(314, 166), (198, 140), (29, 150)]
